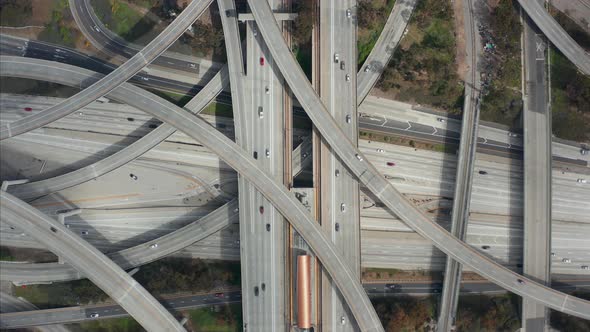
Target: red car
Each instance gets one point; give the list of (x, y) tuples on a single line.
[(261, 209), (261, 61), (28, 109), (390, 163)]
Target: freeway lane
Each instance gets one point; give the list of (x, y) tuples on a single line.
[(130, 257), (115, 78), (105, 311), (374, 122), (9, 303), (537, 171), (35, 49), (234, 156), (339, 195), (383, 190), (88, 260), (123, 156)]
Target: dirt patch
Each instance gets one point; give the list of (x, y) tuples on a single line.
[(30, 32), (41, 12), (461, 58)]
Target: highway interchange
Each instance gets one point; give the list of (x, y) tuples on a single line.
[(356, 161)]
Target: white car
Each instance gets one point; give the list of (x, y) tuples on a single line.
[(336, 57), (254, 31), (441, 120), (267, 153), (367, 68), (96, 28), (348, 13), (585, 267), (94, 315), (358, 156), (512, 135), (260, 112), (380, 150), (192, 65), (582, 181), (348, 118), (154, 246), (342, 320), (342, 207), (347, 78), (145, 78), (267, 90), (566, 260)]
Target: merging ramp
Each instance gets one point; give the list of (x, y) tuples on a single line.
[(384, 191), (112, 80), (113, 280), (392, 33), (234, 156), (464, 176), (128, 258), (136, 149)]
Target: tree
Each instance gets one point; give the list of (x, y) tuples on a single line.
[(305, 21)]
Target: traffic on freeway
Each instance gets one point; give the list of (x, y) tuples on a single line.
[(299, 163)]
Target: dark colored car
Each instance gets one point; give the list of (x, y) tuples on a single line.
[(390, 163), (261, 61), (483, 172)]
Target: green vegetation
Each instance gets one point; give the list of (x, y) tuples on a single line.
[(379, 137), (404, 313), (61, 294), (15, 13), (502, 103), (121, 19), (379, 273), (5, 254), (175, 98), (565, 322), (475, 313), (570, 89), (222, 318), (33, 87), (488, 313), (58, 30), (123, 324), (219, 109), (570, 99), (573, 29), (371, 16), (26, 255), (208, 39), (301, 30), (171, 274), (424, 69)]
